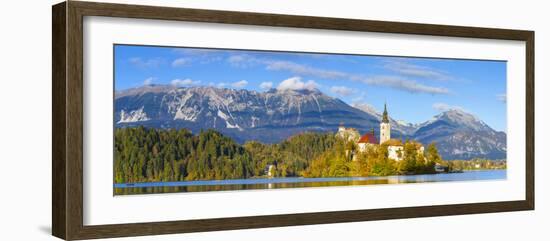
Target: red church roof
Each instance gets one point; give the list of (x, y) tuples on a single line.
[(368, 138)]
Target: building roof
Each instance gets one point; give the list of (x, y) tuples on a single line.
[(393, 142), (368, 138), (417, 144)]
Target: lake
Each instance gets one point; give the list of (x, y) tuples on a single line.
[(297, 182)]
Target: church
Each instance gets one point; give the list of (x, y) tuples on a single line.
[(395, 146)]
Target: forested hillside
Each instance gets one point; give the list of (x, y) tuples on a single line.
[(150, 154)]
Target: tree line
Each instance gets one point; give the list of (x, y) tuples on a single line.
[(148, 154), (475, 164), (346, 160)]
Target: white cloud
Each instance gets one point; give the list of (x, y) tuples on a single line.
[(296, 83), (202, 56), (395, 82), (184, 82), (148, 81), (235, 59), (266, 85), (391, 81), (304, 70), (342, 90), (242, 60), (180, 62), (401, 84), (502, 97), (239, 84), (445, 107), (405, 68), (147, 63)]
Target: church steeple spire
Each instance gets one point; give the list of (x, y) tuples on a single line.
[(385, 127), (385, 115)]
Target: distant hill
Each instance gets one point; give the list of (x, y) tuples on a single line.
[(275, 115), (460, 135)]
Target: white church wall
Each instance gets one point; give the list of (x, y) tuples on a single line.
[(394, 152), (385, 133)]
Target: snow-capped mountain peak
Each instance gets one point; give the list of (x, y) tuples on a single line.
[(277, 114), (461, 135), (462, 118)]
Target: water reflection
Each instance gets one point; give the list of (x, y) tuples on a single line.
[(274, 183)]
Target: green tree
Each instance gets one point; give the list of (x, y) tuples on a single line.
[(432, 154), (409, 162)]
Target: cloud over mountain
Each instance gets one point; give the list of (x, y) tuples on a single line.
[(296, 83), (239, 84), (395, 82), (148, 81), (266, 85), (445, 107), (184, 82)]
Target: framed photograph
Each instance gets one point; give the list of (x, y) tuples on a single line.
[(171, 120)]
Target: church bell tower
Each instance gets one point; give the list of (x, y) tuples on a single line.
[(385, 126)]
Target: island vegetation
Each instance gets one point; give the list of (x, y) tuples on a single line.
[(474, 164), (151, 155)]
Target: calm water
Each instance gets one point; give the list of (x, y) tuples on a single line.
[(294, 182)]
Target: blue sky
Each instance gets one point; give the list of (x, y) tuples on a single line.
[(415, 89)]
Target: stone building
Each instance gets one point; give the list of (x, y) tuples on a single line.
[(367, 140), (349, 134), (395, 146)]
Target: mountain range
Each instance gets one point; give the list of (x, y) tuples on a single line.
[(275, 115)]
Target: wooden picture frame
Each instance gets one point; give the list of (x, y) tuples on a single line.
[(67, 123)]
